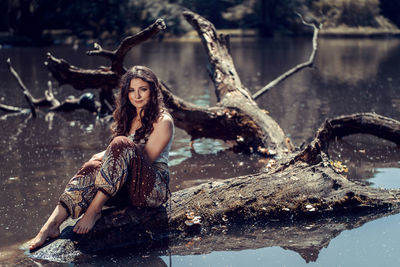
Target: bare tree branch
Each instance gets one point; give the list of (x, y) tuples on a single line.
[(49, 96), (308, 63), (25, 90), (212, 122), (80, 79), (117, 56), (223, 71), (10, 108), (367, 123)]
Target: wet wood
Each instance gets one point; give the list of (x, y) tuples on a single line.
[(9, 108)]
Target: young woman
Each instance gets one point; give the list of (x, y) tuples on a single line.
[(134, 167)]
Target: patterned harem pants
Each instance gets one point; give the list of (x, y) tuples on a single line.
[(123, 174)]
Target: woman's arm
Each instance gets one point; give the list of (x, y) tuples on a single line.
[(99, 156), (159, 138)]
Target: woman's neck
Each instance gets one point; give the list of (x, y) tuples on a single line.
[(136, 124)]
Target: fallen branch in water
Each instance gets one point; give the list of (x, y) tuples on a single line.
[(298, 186), (308, 63)]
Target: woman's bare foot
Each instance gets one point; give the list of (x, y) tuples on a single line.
[(51, 228), (48, 230), (92, 214), (87, 222)]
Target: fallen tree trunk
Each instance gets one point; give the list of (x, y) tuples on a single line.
[(296, 193), (299, 186)]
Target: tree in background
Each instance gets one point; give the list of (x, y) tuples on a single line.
[(29, 18), (354, 13), (391, 10), (112, 19)]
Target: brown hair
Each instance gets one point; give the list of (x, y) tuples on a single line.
[(125, 112)]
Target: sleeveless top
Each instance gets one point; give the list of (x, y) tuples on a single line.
[(163, 157)]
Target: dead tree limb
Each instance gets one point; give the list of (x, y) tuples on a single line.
[(302, 191), (231, 93), (80, 79), (26, 92), (366, 123), (308, 63), (85, 101), (305, 187), (117, 56), (223, 72), (9, 108), (104, 78), (224, 123)]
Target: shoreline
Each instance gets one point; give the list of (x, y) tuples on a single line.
[(359, 32), (7, 39)]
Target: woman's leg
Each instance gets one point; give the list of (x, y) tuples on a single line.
[(92, 214), (51, 228), (110, 178), (125, 166), (78, 193)]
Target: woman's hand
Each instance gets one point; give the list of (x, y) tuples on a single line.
[(99, 156)]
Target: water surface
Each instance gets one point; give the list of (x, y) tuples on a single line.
[(39, 156)]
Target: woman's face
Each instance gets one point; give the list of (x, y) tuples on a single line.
[(139, 93)]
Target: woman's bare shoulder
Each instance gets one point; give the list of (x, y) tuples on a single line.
[(165, 117), (164, 121)]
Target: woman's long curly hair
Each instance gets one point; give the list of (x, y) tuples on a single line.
[(125, 112)]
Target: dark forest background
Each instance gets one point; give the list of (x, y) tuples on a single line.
[(41, 21)]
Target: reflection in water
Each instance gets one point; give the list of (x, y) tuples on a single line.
[(39, 156), (363, 154), (349, 248), (343, 64)]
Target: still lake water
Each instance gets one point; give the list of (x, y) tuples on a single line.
[(39, 156)]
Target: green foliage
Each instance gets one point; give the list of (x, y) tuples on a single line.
[(30, 17), (277, 15), (95, 16), (111, 19), (352, 13)]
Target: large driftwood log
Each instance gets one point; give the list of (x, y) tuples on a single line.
[(236, 117), (298, 187), (303, 189), (233, 95)]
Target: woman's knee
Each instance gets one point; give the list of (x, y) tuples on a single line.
[(90, 167), (121, 142)]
